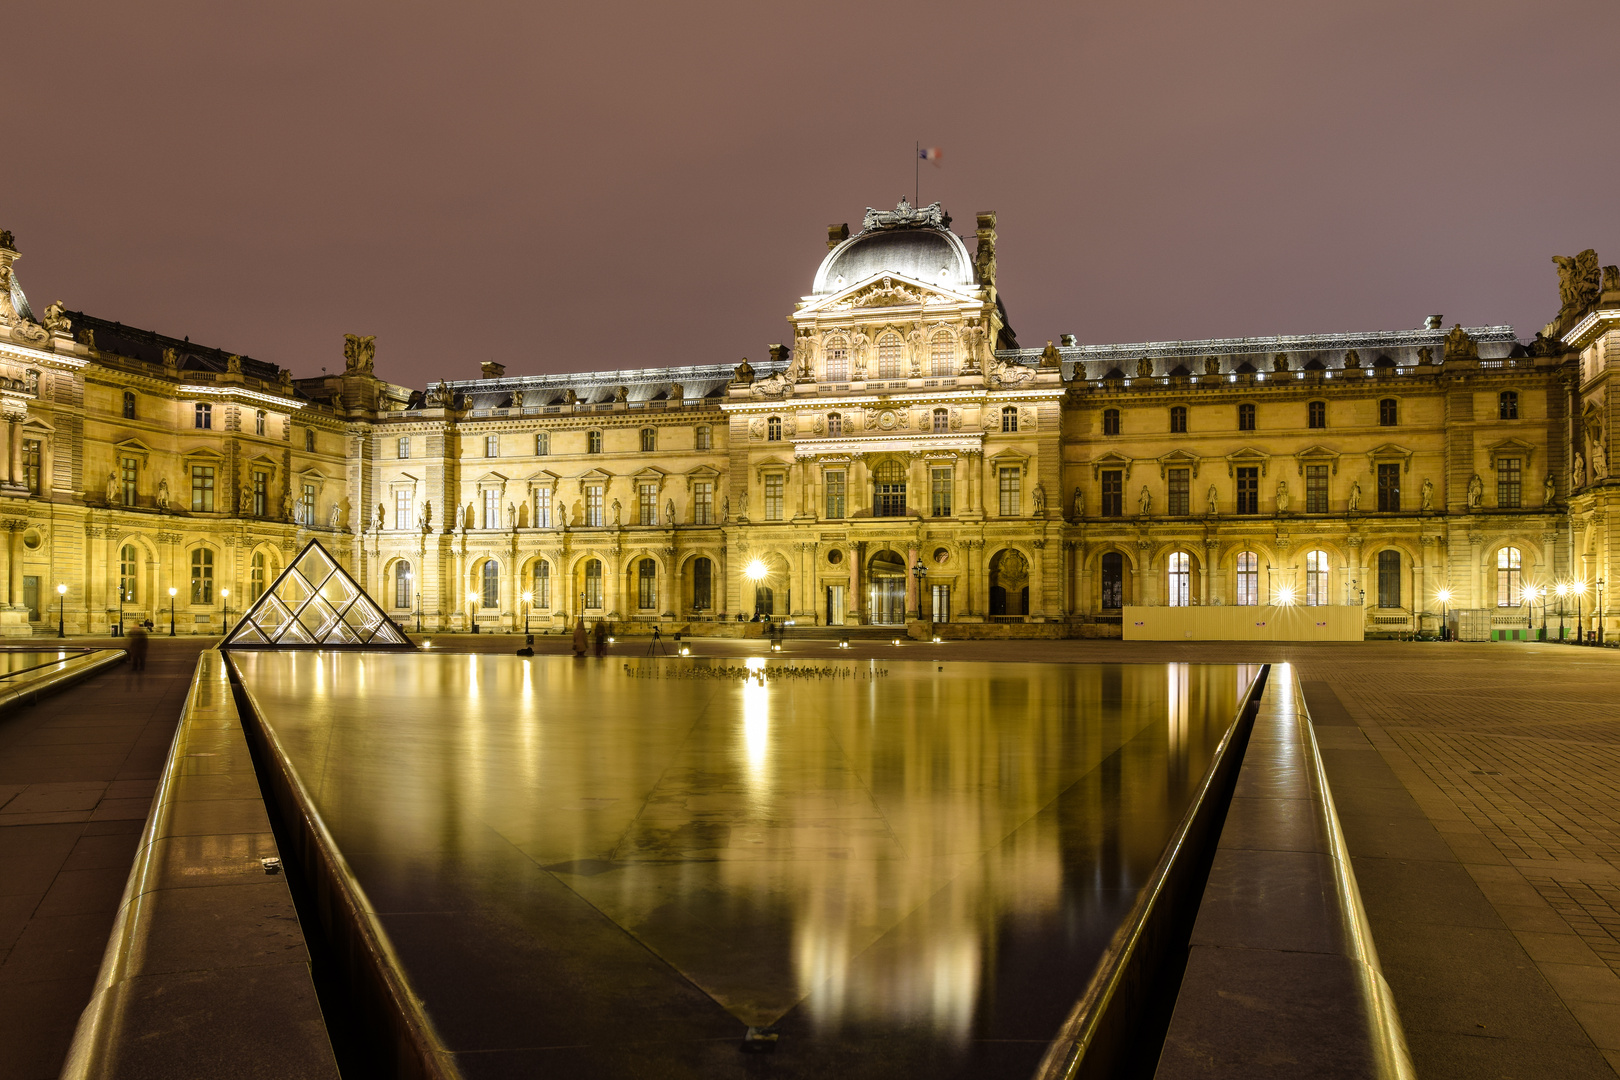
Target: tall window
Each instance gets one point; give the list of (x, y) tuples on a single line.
[(647, 504), (492, 508), (1113, 581), (258, 575), (593, 505), (1389, 488), (773, 429), (308, 502), (701, 437), (1113, 493), (942, 482), (593, 583), (402, 509), (1179, 492), (942, 421), (129, 470), (944, 355), (889, 356), (593, 442), (128, 573), (404, 448), (309, 439), (1316, 579), (1009, 418), (703, 503), (261, 494), (649, 440), (1246, 417), (1008, 483), (837, 364), (202, 489), (774, 483), (1316, 489), (129, 405), (1178, 419), (1507, 483), (1110, 421), (542, 584), (31, 379), (258, 422), (542, 443), (202, 415), (491, 580), (1388, 415), (1180, 579), (1389, 578), (32, 457), (889, 489), (1248, 579), (702, 584), (1507, 405), (202, 576), (1507, 577), (402, 584), (492, 446), (542, 508), (1316, 414), (833, 481), (835, 425), (1248, 489), (646, 585)]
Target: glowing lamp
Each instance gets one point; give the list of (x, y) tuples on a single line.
[(173, 590), (62, 589), (1562, 589), (755, 570), (528, 597), (1285, 596), (1444, 596)]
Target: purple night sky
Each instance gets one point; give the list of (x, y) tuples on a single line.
[(562, 186)]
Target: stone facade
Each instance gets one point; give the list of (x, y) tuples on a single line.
[(903, 459)]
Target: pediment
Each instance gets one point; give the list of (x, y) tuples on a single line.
[(543, 478), (1317, 454), (132, 446), (492, 477), (1111, 460), (703, 472), (1387, 451), (1246, 458), (596, 476), (886, 290), (650, 473), (263, 460), (1009, 454), (1510, 447), (203, 452)]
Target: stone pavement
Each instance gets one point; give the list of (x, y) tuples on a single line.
[(77, 773)]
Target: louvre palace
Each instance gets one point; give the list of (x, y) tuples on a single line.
[(902, 459)]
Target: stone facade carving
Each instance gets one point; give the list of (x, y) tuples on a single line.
[(1282, 497), (1353, 502), (56, 319), (163, 493), (1578, 281), (779, 385), (358, 354), (906, 216), (1428, 494), (1476, 492), (1459, 346)]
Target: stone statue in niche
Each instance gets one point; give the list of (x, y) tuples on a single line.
[(1428, 494), (1282, 497), (1038, 499), (246, 504), (1279, 362), (1600, 459), (1549, 491), (382, 516), (511, 515), (1353, 503), (1476, 492), (335, 517), (1212, 365), (1144, 368), (427, 514), (1214, 501), (163, 493), (725, 510), (1079, 504), (1146, 501), (112, 489), (1579, 471), (669, 511)]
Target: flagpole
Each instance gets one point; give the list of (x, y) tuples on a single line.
[(916, 172)]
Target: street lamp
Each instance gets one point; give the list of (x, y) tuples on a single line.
[(756, 571), (1563, 591), (472, 613), (61, 611), (1579, 589), (1444, 596), (410, 581), (920, 572), (528, 599), (1597, 611), (172, 591), (225, 594)]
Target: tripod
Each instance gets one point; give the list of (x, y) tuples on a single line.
[(657, 643)]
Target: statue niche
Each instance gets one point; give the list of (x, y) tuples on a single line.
[(1009, 584)]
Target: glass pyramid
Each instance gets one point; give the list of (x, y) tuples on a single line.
[(315, 604)]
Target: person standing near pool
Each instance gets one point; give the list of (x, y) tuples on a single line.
[(600, 632), (138, 643), (579, 637)]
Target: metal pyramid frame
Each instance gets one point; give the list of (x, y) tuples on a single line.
[(315, 604)]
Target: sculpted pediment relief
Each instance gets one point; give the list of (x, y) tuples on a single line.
[(887, 291)]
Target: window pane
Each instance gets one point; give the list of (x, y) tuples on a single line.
[(1008, 484), (703, 503), (1248, 490), (1248, 579), (202, 488), (834, 481), (774, 484), (1179, 492), (1389, 579), (1113, 493), (1316, 489), (942, 484), (1507, 483), (1389, 488)]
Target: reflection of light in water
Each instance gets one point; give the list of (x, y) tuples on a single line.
[(1179, 675), (756, 718)]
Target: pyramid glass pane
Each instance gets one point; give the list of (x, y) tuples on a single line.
[(316, 604)]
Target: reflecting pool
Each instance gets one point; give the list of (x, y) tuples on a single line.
[(17, 661), (594, 868)]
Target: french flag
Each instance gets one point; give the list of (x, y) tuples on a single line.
[(930, 153)]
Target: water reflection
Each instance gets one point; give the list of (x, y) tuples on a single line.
[(933, 859)]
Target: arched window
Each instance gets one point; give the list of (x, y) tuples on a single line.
[(128, 573), (889, 489), (944, 355), (773, 429), (542, 584), (702, 584), (257, 575), (491, 580), (942, 421), (889, 356), (129, 404), (309, 439), (1248, 579), (1113, 581), (542, 444), (1389, 578), (1009, 418), (202, 576), (1316, 579), (1388, 412), (593, 442), (837, 363), (1507, 405), (1316, 413), (1178, 419), (593, 583), (1110, 421), (1507, 577), (402, 584), (1180, 567), (1246, 417), (835, 424), (647, 585)]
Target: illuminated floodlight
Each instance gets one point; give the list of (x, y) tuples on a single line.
[(1444, 596), (472, 596), (776, 647), (1578, 588), (756, 570), (1562, 590), (528, 598), (1285, 596), (686, 650), (897, 641), (936, 639)]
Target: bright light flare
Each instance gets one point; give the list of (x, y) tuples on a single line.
[(756, 570), (1285, 596), (1444, 596)]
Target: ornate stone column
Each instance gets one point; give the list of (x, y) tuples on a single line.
[(1037, 581), (912, 601), (852, 604)]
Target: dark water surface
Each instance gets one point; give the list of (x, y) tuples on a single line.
[(592, 874)]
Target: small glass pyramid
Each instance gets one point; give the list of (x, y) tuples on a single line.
[(315, 604)]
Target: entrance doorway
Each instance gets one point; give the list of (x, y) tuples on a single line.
[(764, 600), (941, 597), (1009, 585), (835, 605), (887, 592)]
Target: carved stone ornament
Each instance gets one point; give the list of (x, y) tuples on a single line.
[(56, 320), (1212, 365), (233, 364), (621, 393), (956, 419), (1426, 355), (284, 378), (570, 396), (1144, 368), (1353, 503), (1459, 346), (1611, 279), (677, 392), (517, 399), (29, 331), (1282, 497), (1579, 478), (885, 293), (1578, 281), (1050, 357), (1006, 373), (1279, 362), (906, 216), (87, 338), (358, 353), (756, 429), (1352, 359), (743, 374), (984, 260), (1428, 494), (1146, 501), (779, 385), (886, 420)]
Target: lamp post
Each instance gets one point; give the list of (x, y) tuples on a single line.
[(410, 580), (528, 600), (1597, 611), (756, 571), (61, 611), (472, 609), (225, 595), (920, 572), (172, 591), (1579, 589), (1444, 596), (1562, 590)]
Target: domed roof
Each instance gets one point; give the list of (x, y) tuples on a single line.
[(915, 243)]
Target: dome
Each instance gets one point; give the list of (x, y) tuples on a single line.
[(919, 246)]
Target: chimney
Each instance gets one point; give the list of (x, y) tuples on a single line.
[(492, 370), (837, 234), (1066, 340), (779, 354), (1433, 322)]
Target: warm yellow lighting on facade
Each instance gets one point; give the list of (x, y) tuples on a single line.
[(756, 570)]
